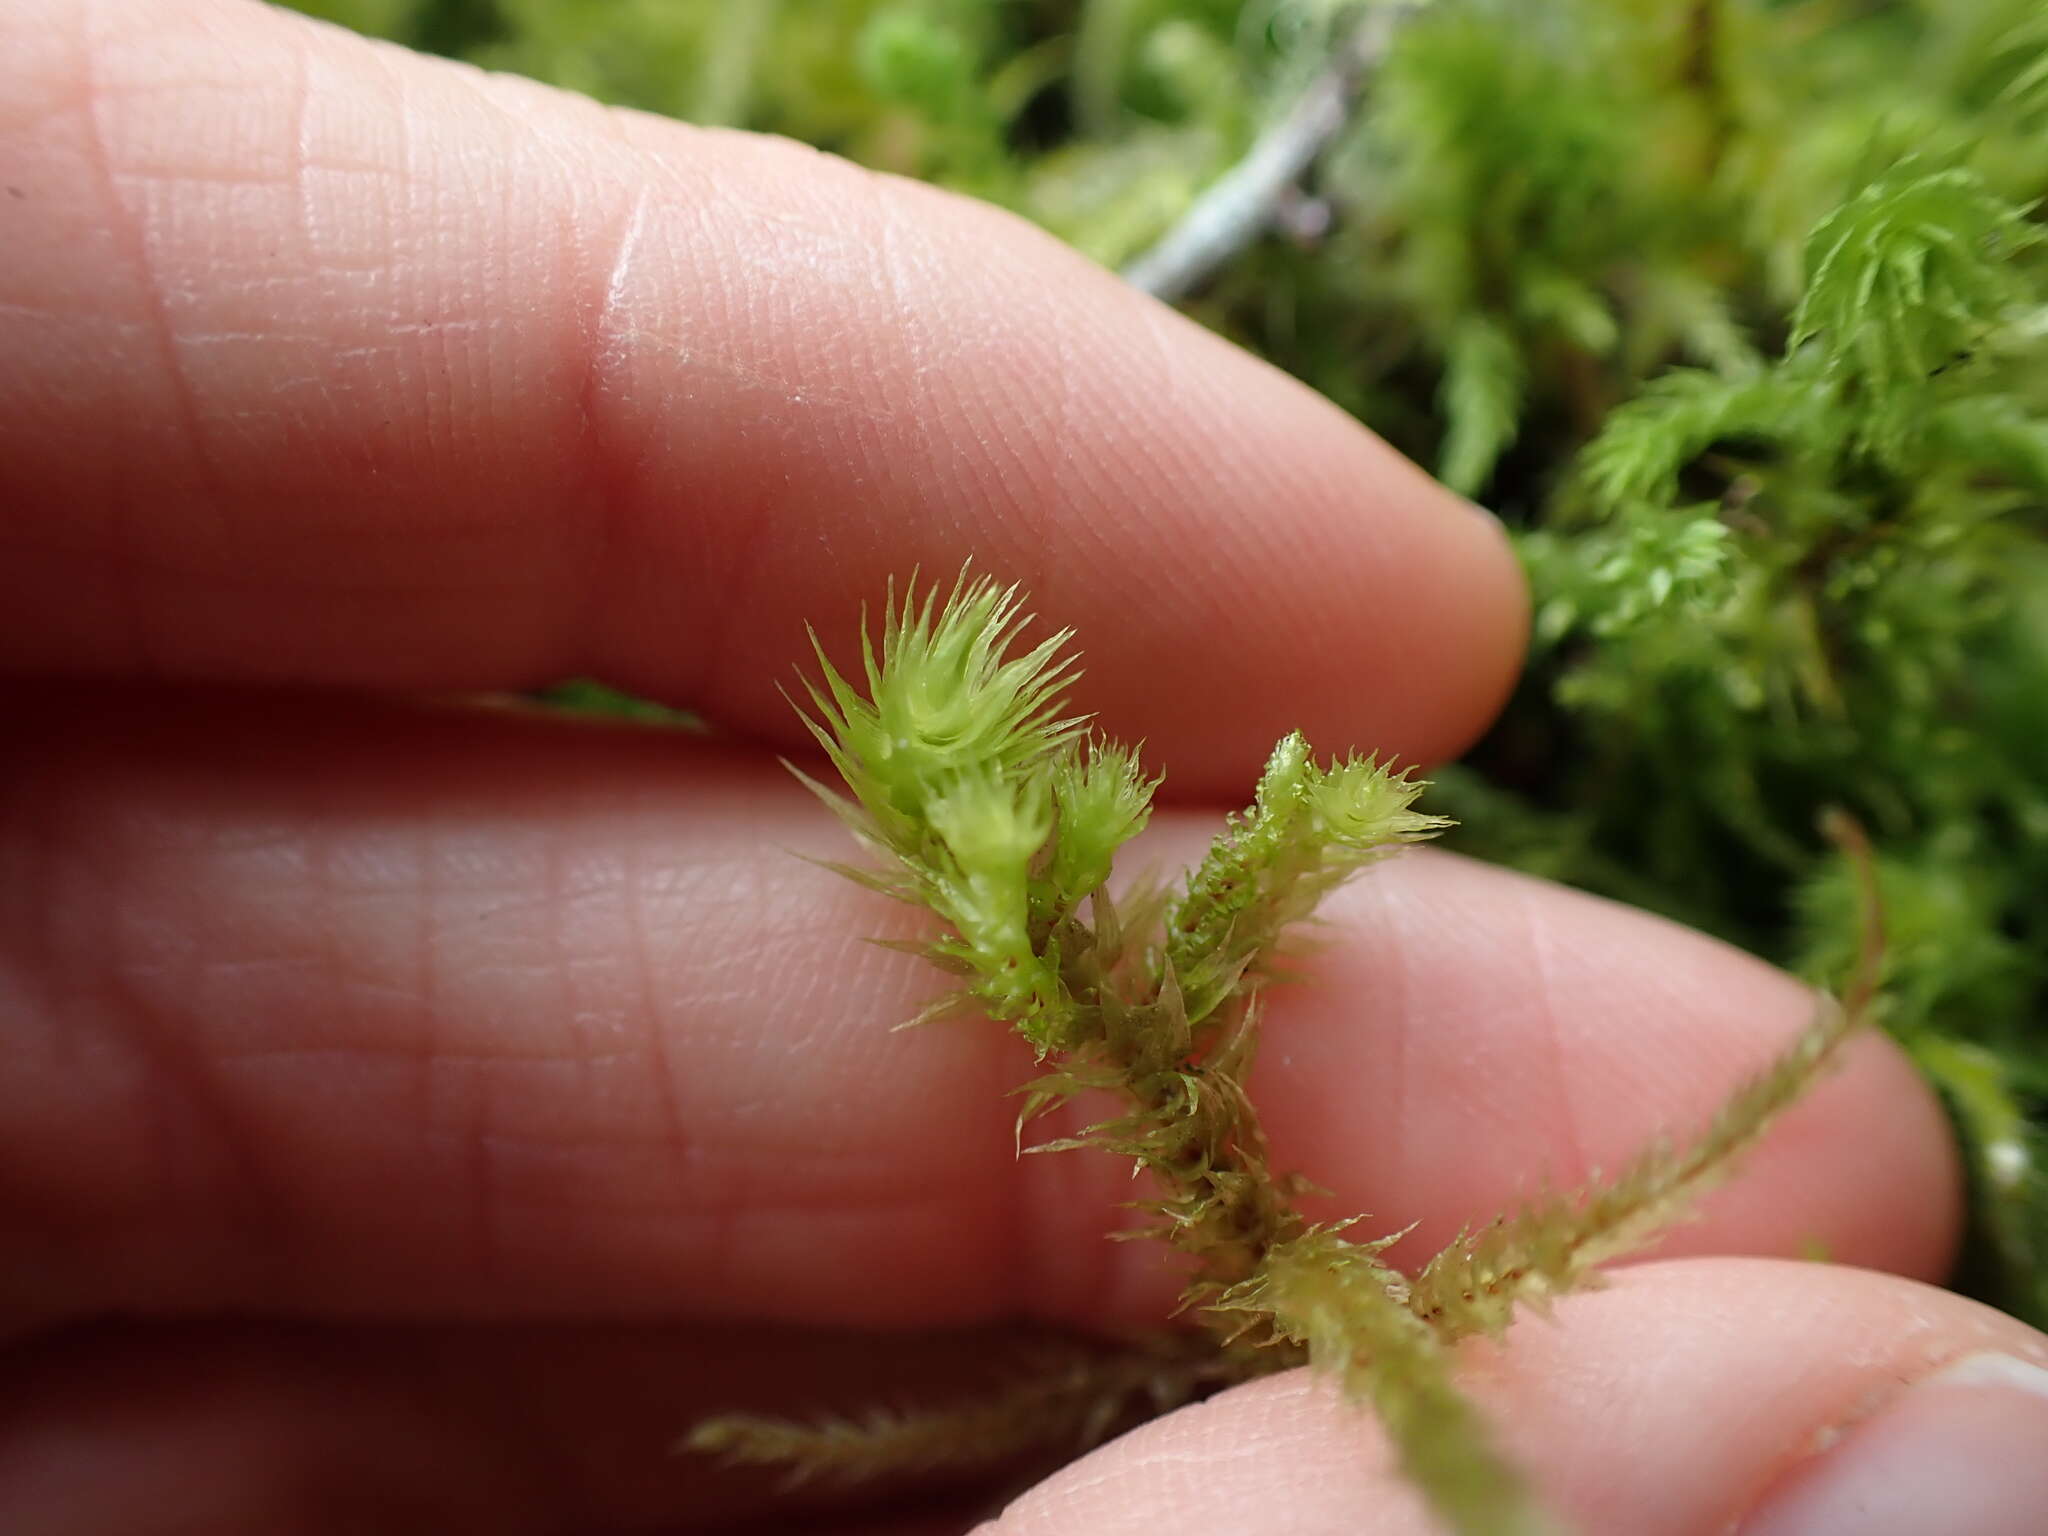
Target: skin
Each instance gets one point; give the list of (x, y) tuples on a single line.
[(414, 1116)]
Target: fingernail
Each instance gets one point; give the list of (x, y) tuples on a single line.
[(1963, 1453)]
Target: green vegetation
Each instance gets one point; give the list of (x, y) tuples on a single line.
[(977, 800)]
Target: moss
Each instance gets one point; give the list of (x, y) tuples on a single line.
[(979, 800)]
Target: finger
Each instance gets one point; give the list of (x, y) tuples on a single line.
[(334, 1005), (1710, 1395), (322, 362), (249, 1429)]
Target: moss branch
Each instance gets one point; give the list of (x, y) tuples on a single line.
[(1475, 1285)]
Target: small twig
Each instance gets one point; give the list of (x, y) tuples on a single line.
[(1244, 201)]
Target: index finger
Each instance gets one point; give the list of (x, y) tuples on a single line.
[(324, 363)]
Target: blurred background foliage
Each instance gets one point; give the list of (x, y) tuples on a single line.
[(1734, 311)]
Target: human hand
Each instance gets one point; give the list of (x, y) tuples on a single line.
[(416, 1117)]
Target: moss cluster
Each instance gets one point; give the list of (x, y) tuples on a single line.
[(978, 801)]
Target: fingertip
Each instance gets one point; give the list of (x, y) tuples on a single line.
[(1686, 1397), (1237, 557)]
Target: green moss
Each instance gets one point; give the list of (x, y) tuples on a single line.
[(980, 801)]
